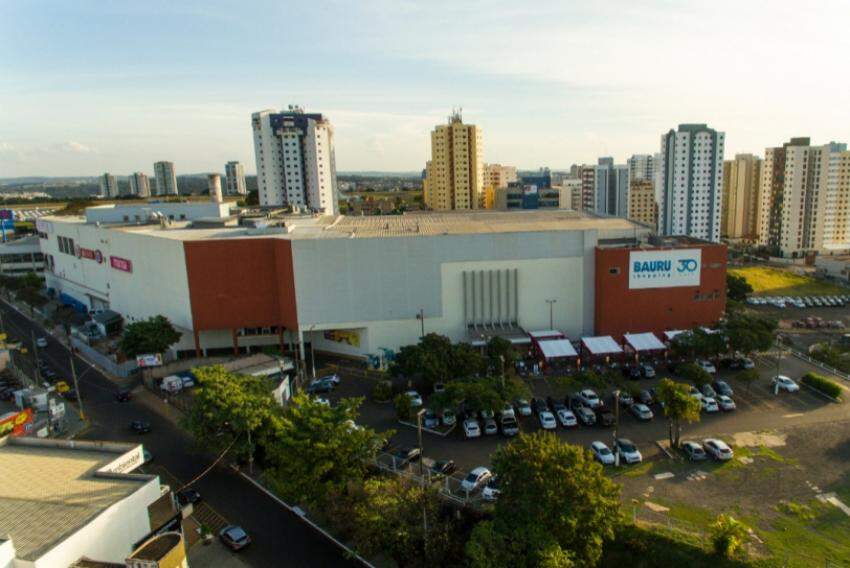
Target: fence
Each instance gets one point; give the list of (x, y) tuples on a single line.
[(819, 364), (105, 362)]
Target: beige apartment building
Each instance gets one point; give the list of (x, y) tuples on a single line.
[(740, 206), (642, 205), (804, 198), (496, 176), (454, 177)]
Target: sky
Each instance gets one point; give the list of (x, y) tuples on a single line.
[(94, 86)]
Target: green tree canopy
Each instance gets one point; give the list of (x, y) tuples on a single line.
[(748, 333), (314, 449), (499, 348), (556, 506), (737, 287), (694, 373), (153, 335), (435, 359), (679, 406)]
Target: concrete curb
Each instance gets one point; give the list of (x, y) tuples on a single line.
[(303, 516)]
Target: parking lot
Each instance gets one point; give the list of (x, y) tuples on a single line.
[(758, 409)]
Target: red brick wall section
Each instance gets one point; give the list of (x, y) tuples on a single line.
[(620, 310), (237, 283)]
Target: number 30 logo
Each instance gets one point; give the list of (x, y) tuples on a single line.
[(687, 265)]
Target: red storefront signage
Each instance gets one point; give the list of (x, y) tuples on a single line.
[(121, 264), (16, 423), (90, 254)]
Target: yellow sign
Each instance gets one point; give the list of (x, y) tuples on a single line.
[(62, 387), (343, 336)]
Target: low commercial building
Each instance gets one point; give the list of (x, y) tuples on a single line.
[(523, 196), (20, 256), (836, 267), (61, 501), (355, 286)]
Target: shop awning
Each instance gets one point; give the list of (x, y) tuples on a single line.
[(670, 335), (601, 345), (644, 342), (556, 348)]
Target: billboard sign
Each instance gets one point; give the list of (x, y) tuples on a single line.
[(122, 264), (149, 360), (664, 268), (16, 423)]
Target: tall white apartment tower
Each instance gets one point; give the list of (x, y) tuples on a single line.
[(234, 175), (295, 160), (108, 185), (139, 185), (691, 182), (166, 179)]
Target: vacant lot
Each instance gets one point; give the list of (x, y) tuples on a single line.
[(777, 282)]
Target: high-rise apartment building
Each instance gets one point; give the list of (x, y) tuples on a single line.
[(641, 167), (642, 205), (234, 174), (804, 198), (296, 165), (166, 179), (572, 193), (605, 188), (740, 204), (108, 185), (691, 180), (140, 185), (455, 173), (497, 175)]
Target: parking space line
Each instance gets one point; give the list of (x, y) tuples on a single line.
[(794, 415)]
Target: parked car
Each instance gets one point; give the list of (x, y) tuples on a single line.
[(590, 399), (725, 403), (602, 453), (784, 383), (576, 403), (554, 404), (234, 537), (510, 427), (707, 366), (547, 420), (717, 449), (188, 379), (633, 373), (641, 411), (522, 407), (404, 456), (605, 417), (449, 417), (491, 490), (645, 397), (709, 405), (487, 414), (747, 363), (647, 371), (586, 416), (430, 419), (490, 426), (188, 496), (443, 467), (694, 392), (566, 418), (722, 388), (334, 378), (539, 405), (507, 410), (415, 398), (123, 395), (628, 451), (476, 478), (706, 390), (140, 426), (317, 387), (471, 429), (41, 342), (626, 399), (694, 451)]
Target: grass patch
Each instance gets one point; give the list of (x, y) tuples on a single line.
[(637, 470), (777, 282), (809, 535), (799, 510)]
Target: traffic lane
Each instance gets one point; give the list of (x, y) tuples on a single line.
[(280, 537)]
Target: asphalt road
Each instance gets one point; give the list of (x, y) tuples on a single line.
[(280, 538)]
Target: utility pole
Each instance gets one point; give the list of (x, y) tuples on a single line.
[(37, 372), (502, 359), (419, 435), (616, 426), (421, 317), (551, 313), (313, 351), (77, 388)]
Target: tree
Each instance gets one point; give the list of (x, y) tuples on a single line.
[(556, 505), (32, 297), (313, 449), (749, 333), (748, 377), (466, 361), (678, 405), (694, 373), (729, 536), (403, 407), (153, 335), (500, 354), (737, 287), (229, 407)]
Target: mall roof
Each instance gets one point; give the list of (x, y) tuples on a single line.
[(557, 348), (53, 488), (644, 342)]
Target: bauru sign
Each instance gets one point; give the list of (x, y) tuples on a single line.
[(664, 268)]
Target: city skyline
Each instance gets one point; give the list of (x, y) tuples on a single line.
[(547, 97)]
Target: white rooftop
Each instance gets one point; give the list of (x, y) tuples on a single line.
[(644, 342), (545, 333), (556, 348), (601, 345)]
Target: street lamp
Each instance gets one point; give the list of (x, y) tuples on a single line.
[(616, 426), (421, 317), (551, 313), (313, 350), (419, 416)]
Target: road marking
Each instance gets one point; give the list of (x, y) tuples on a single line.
[(793, 415), (665, 475)]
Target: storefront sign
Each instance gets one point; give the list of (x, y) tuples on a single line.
[(664, 268), (121, 264), (16, 423), (149, 360), (343, 336), (90, 254)]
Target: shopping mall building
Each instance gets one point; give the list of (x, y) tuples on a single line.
[(362, 285)]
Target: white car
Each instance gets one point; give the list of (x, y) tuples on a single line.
[(784, 383), (709, 405), (707, 366), (471, 428), (430, 420), (602, 453), (717, 449), (415, 399), (41, 342), (449, 417), (547, 420), (725, 403), (641, 411), (475, 479), (334, 378), (628, 451), (491, 490), (523, 407), (508, 410), (567, 418), (590, 399), (694, 392)]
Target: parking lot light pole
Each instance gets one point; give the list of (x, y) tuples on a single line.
[(616, 426), (419, 416), (421, 317), (313, 350), (551, 313)]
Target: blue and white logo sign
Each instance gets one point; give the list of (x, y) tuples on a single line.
[(664, 268)]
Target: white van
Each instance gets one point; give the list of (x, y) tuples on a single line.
[(172, 384)]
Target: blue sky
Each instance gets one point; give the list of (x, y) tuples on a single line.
[(93, 86)]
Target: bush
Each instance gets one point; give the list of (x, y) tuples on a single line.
[(403, 407), (693, 373), (822, 384), (383, 391), (728, 536)]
